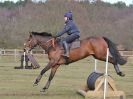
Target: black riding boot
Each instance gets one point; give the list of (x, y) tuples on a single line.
[(66, 52)]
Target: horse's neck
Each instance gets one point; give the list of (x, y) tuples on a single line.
[(43, 42), (42, 39)]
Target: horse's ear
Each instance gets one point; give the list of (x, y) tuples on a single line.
[(30, 34)]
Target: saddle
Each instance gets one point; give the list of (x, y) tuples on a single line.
[(75, 44)]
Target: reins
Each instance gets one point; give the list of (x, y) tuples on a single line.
[(51, 40), (48, 46)]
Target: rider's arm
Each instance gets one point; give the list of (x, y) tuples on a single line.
[(66, 29)]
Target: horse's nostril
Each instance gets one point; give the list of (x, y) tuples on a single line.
[(24, 50)]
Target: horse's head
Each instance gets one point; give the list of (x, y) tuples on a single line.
[(30, 43)]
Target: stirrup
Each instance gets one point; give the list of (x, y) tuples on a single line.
[(67, 56)]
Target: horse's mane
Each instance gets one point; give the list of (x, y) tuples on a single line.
[(42, 33)]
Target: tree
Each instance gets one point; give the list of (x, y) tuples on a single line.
[(10, 4), (131, 5), (120, 4)]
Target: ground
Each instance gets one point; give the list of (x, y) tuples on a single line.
[(18, 84)]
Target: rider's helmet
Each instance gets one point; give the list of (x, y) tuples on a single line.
[(69, 15)]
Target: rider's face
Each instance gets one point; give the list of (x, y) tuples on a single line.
[(65, 18)]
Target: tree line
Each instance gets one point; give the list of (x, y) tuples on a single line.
[(11, 4), (93, 19)]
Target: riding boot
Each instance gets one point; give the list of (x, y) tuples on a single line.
[(66, 48)]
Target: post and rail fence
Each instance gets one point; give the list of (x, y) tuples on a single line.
[(13, 52), (19, 52)]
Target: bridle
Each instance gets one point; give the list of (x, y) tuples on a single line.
[(48, 44), (28, 49)]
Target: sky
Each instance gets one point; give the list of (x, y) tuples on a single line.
[(128, 2), (9, 0), (22, 0)]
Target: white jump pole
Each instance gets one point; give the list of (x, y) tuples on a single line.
[(24, 60), (106, 74), (0, 54), (95, 65)]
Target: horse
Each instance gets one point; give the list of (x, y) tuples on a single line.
[(94, 46)]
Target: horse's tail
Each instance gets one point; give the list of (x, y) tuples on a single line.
[(117, 58)]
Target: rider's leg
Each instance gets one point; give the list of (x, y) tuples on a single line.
[(69, 39), (66, 48)]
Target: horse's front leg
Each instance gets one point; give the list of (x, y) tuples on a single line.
[(53, 71), (48, 66)]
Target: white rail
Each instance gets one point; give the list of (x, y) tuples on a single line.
[(19, 52)]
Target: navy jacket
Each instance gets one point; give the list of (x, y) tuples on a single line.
[(70, 28)]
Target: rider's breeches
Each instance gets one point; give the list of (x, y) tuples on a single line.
[(71, 38)]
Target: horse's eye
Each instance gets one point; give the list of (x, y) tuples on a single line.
[(28, 39)]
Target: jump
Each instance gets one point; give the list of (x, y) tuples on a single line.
[(91, 46)]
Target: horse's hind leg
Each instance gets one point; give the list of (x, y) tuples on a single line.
[(120, 73), (116, 66)]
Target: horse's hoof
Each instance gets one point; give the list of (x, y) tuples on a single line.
[(43, 90), (121, 74), (36, 67), (35, 84)]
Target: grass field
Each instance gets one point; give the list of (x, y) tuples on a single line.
[(18, 84)]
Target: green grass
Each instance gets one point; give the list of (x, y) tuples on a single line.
[(18, 84)]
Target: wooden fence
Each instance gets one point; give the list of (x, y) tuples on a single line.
[(127, 53), (15, 52)]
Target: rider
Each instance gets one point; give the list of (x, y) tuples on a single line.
[(71, 29)]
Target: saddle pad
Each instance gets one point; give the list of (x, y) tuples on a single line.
[(75, 44)]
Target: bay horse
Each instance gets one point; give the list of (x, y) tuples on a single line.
[(95, 46)]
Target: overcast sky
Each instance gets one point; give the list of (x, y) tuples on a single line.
[(111, 1), (114, 1)]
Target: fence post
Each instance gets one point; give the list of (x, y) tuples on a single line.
[(24, 60), (4, 52), (15, 54)]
